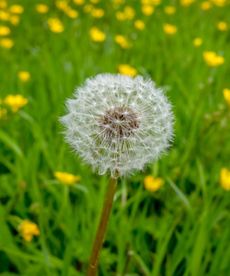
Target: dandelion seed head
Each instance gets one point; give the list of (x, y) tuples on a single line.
[(118, 124)]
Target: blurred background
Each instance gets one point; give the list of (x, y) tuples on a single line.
[(171, 219)]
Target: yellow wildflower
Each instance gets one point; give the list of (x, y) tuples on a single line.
[(206, 5), (28, 230), (147, 10), (97, 13), (122, 41), (79, 2), (4, 16), (14, 19), (170, 10), (126, 69), (197, 41), (129, 12), (226, 93), (95, 1), (71, 13), (186, 3), (169, 29), (3, 113), (156, 2), (4, 30), (222, 26), (17, 9), (15, 102), (120, 16), (61, 4), (66, 178), (24, 76), (225, 179), (220, 3), (55, 25), (42, 8), (212, 59), (97, 35), (88, 8), (153, 184), (6, 43), (139, 25), (3, 4)]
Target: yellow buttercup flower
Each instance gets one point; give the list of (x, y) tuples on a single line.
[(24, 76), (55, 25), (222, 26), (6, 43), (3, 4), (4, 16), (15, 102), (206, 5), (225, 179), (197, 41), (61, 4), (97, 13), (79, 2), (3, 113), (71, 13), (126, 69), (153, 184), (169, 29), (220, 3), (186, 3), (97, 35), (122, 41), (17, 9), (129, 12), (14, 19), (170, 10), (147, 10), (28, 230), (139, 25), (226, 93), (66, 178), (42, 8), (212, 59), (4, 30)]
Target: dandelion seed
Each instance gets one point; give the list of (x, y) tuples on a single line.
[(118, 124)]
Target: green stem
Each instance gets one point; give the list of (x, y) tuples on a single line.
[(92, 269)]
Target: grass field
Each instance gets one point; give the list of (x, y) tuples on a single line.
[(48, 219)]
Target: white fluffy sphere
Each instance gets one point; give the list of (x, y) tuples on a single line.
[(117, 124)]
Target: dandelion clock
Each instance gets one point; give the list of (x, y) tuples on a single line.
[(117, 124)]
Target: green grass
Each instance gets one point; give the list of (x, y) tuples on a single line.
[(182, 229)]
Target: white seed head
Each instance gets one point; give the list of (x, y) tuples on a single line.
[(117, 124)]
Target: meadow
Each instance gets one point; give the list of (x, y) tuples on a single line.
[(171, 219)]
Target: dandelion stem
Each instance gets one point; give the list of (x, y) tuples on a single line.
[(92, 269)]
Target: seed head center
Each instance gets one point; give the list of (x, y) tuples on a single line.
[(119, 123)]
